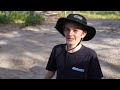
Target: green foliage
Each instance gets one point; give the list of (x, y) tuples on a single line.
[(1, 13), (101, 14), (64, 13), (17, 15), (96, 14), (5, 20), (33, 20), (21, 17), (14, 17)]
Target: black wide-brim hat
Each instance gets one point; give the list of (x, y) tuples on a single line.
[(81, 20)]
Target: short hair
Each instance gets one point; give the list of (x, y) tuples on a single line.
[(78, 24)]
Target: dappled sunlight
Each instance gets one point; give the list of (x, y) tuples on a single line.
[(26, 50), (109, 74), (40, 28), (22, 50), (111, 70), (36, 72), (11, 34), (21, 62), (31, 28), (96, 46), (3, 42), (111, 41), (35, 42), (36, 56), (93, 23)]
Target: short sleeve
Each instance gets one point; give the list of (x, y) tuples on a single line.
[(94, 70), (51, 65)]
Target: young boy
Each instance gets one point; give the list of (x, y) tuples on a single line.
[(74, 60)]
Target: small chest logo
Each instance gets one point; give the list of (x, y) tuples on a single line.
[(78, 69)]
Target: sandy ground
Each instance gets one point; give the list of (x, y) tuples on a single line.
[(24, 52)]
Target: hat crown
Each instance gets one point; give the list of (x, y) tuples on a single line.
[(77, 17)]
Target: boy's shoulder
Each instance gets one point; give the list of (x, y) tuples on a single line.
[(58, 49), (89, 50)]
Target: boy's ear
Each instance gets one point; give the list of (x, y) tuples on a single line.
[(84, 34)]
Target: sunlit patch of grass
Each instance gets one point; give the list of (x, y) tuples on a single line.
[(19, 21), (95, 14), (98, 16)]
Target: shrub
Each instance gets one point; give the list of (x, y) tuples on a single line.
[(16, 15), (33, 20), (5, 20)]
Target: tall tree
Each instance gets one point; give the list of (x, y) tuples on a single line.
[(7, 13), (32, 13)]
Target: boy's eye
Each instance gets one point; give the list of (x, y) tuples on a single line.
[(75, 30), (66, 29)]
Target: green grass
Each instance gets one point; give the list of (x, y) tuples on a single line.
[(96, 14), (101, 16)]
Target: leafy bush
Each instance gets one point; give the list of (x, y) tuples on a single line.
[(14, 17), (33, 20), (17, 15), (5, 20)]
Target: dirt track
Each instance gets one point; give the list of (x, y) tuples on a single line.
[(24, 52)]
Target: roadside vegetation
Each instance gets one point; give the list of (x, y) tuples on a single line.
[(95, 14), (28, 18), (25, 17)]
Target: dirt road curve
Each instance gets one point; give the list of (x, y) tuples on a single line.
[(24, 52)]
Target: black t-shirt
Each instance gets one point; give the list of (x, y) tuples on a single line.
[(82, 64)]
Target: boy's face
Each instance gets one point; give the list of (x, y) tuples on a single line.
[(73, 33)]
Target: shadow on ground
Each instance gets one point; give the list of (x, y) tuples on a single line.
[(24, 52), (36, 72)]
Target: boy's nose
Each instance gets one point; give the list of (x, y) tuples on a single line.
[(70, 32)]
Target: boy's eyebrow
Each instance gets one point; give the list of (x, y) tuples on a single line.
[(66, 27)]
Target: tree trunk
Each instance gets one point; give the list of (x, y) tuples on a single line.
[(7, 13), (32, 13)]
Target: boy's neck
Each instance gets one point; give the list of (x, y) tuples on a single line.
[(71, 49)]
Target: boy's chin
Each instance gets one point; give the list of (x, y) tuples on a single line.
[(70, 43)]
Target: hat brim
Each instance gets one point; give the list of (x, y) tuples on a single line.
[(90, 30)]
